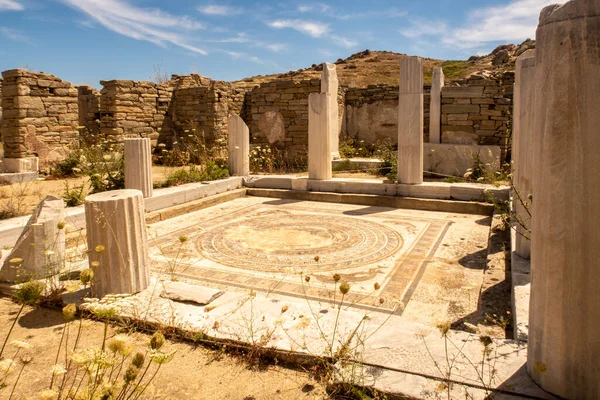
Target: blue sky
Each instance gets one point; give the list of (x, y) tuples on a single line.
[(85, 41)]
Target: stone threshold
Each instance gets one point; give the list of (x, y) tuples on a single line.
[(426, 190), (459, 207)]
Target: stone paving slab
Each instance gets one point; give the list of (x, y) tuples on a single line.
[(389, 354)]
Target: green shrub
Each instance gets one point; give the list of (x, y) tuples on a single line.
[(213, 170), (74, 197)]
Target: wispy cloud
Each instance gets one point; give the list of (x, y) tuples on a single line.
[(243, 56), (343, 41), (513, 22), (335, 13), (420, 27), (213, 9), (13, 34), (11, 5), (305, 8), (151, 25), (244, 38), (85, 23), (310, 28)]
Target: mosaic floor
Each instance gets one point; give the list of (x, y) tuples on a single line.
[(424, 265)]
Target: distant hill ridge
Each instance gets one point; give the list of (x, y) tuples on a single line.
[(371, 67)]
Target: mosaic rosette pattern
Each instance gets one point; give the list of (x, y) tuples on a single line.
[(324, 243)]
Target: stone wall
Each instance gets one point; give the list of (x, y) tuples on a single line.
[(40, 115), (372, 113), (478, 111), (202, 110), (89, 110), (130, 108), (42, 112), (277, 114)]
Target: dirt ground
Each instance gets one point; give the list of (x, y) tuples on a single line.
[(23, 197), (195, 372)]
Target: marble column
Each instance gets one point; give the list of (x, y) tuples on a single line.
[(138, 165), (330, 84), (564, 317), (523, 148), (410, 121), (117, 242), (319, 138), (435, 105), (238, 146)]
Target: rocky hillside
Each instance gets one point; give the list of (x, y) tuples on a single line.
[(375, 67)]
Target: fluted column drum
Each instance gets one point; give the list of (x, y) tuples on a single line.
[(138, 165), (117, 242)]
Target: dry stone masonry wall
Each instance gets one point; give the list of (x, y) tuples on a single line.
[(40, 115), (133, 109), (277, 114), (478, 111), (89, 110), (372, 113)]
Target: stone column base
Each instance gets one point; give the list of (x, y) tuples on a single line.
[(24, 164)]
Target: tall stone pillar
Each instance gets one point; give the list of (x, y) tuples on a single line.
[(564, 316), (330, 84), (319, 138), (138, 165), (117, 242), (410, 121), (238, 146), (435, 105), (523, 148)]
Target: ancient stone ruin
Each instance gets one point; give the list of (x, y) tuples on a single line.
[(495, 282), (43, 115)]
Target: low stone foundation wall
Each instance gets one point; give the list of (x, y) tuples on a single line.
[(456, 159)]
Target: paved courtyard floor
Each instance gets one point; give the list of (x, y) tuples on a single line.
[(427, 267)]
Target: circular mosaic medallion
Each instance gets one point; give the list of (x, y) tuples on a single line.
[(274, 242)]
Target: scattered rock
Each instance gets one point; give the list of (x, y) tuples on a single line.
[(507, 47), (501, 57), (523, 47), (184, 292)]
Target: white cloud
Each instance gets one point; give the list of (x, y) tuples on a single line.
[(310, 28), (11, 5), (244, 38), (243, 56), (239, 38), (304, 8), (213, 9), (420, 28), (151, 25), (343, 41), (15, 35), (513, 22)]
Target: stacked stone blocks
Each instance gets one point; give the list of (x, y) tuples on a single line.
[(40, 115), (478, 111)]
